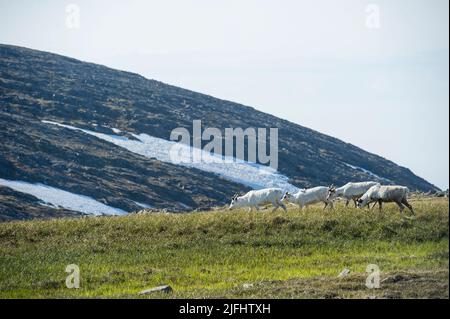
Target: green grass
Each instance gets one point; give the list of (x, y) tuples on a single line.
[(213, 254)]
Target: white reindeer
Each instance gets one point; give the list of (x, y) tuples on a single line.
[(386, 194), (309, 196), (254, 199)]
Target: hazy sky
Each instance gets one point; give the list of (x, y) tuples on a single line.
[(381, 84)]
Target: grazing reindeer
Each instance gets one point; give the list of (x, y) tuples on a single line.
[(386, 194)]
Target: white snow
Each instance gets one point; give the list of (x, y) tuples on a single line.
[(253, 175), (367, 172), (184, 206), (55, 197), (116, 130), (143, 205)]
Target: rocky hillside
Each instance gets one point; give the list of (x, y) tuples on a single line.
[(37, 86)]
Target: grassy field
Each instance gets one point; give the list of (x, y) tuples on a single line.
[(232, 254)]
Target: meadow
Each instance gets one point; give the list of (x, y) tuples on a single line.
[(232, 254)]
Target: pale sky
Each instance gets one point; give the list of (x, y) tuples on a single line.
[(315, 63)]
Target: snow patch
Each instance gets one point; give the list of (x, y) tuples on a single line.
[(57, 198), (367, 172), (253, 175), (185, 206), (143, 205)]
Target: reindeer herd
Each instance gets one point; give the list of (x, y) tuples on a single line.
[(362, 194)]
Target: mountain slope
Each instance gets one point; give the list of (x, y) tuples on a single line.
[(37, 86)]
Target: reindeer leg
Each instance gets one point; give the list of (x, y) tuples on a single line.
[(283, 206), (275, 204), (405, 202), (400, 206)]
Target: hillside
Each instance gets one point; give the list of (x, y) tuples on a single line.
[(231, 254), (37, 86)]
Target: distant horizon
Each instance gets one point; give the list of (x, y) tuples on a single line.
[(383, 89)]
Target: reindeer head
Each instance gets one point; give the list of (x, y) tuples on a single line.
[(287, 197), (359, 203), (234, 201)]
